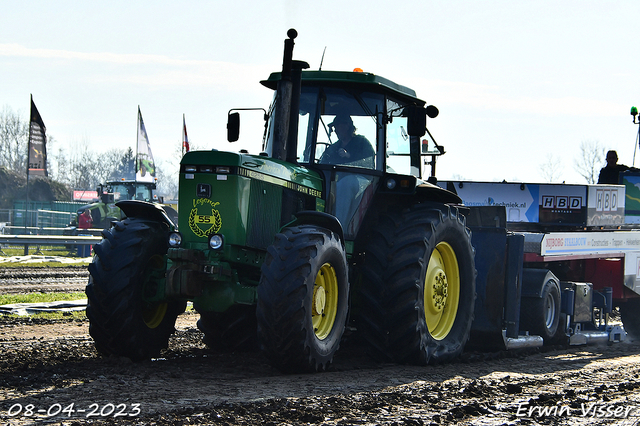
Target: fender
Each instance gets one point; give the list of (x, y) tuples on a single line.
[(435, 193), (410, 185), (325, 220), (145, 210), (533, 281)]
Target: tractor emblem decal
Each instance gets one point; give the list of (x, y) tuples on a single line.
[(202, 221)]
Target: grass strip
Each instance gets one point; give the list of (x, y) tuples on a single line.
[(8, 299)]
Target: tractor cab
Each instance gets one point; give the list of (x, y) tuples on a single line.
[(356, 129), (132, 190), (385, 114)]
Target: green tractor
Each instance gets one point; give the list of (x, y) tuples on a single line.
[(105, 209), (330, 227)]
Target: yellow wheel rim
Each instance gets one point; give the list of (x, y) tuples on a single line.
[(324, 304), (441, 291), (153, 314)]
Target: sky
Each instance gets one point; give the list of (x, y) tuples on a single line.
[(519, 84)]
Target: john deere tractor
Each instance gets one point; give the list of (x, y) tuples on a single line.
[(330, 227), (104, 210)]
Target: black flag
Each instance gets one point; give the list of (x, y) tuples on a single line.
[(37, 144)]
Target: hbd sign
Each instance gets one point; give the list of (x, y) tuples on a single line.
[(561, 202), (606, 200)]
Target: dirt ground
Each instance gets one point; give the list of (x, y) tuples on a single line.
[(49, 280), (50, 373)]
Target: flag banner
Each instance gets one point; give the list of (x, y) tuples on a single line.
[(145, 166), (37, 144), (185, 139)]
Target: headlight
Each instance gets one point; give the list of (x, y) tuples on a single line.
[(391, 183), (216, 241), (175, 239)]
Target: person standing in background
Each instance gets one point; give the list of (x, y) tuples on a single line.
[(611, 172)]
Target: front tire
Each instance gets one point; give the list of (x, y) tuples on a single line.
[(417, 293), (303, 299), (121, 322)]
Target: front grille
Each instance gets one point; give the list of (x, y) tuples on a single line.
[(265, 205)]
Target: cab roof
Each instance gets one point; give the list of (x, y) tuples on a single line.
[(342, 78)]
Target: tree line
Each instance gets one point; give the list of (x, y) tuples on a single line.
[(590, 159), (78, 167)]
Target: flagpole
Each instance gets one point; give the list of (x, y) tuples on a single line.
[(26, 207), (182, 143), (135, 166)]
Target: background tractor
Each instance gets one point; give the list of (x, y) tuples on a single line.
[(104, 210), (284, 249)]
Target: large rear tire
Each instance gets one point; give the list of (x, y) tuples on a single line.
[(121, 322), (417, 292), (303, 299)]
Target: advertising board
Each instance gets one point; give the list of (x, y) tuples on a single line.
[(546, 204)]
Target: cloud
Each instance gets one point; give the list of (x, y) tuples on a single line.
[(149, 70), (16, 50), (491, 97)]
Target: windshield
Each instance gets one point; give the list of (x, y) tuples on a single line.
[(131, 192), (337, 126), (351, 128)]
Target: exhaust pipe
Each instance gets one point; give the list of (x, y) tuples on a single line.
[(287, 103)]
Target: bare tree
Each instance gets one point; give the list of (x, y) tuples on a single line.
[(59, 166), (14, 137), (168, 172), (167, 175), (124, 164), (590, 160), (551, 169), (78, 166)]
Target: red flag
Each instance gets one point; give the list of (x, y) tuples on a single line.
[(185, 139)]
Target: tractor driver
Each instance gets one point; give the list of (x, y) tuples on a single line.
[(350, 149)]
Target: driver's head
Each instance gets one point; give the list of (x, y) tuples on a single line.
[(343, 121)]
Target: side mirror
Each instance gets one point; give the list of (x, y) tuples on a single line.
[(432, 111), (416, 120), (233, 126)]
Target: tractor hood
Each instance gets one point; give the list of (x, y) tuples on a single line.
[(246, 198), (222, 163)]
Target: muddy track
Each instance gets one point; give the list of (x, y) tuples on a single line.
[(46, 280), (51, 373)]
